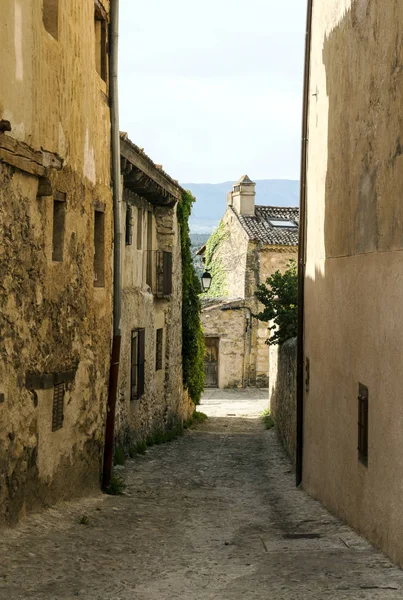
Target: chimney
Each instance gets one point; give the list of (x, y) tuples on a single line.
[(243, 196)]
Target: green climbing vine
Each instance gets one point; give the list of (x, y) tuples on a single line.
[(219, 286), (193, 348)]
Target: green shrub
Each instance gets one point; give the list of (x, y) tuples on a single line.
[(193, 348), (117, 486), (267, 419), (279, 295), (119, 457)]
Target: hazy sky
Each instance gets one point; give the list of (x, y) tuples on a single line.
[(213, 89)]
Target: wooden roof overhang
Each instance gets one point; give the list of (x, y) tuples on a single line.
[(146, 179)]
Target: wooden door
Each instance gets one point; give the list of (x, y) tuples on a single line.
[(211, 363)]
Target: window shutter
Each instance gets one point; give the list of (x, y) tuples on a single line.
[(133, 366), (141, 362)]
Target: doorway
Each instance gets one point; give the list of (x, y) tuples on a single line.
[(211, 362)]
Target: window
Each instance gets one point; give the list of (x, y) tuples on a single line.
[(164, 273), (363, 424), (59, 223), (101, 36), (139, 228), (149, 266), (137, 364), (99, 248), (51, 17), (129, 225), (158, 350), (58, 407), (282, 223)]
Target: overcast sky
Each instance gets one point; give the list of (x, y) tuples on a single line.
[(213, 89)]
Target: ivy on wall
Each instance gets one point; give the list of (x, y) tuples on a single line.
[(193, 348), (219, 286)]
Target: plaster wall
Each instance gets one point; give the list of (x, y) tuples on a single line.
[(52, 318), (163, 404), (354, 283)]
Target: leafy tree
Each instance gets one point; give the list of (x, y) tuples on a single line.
[(279, 296), (193, 348)]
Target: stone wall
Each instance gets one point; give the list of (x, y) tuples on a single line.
[(283, 393), (228, 321), (55, 322), (163, 404)]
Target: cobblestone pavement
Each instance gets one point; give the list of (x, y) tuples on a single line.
[(212, 515)]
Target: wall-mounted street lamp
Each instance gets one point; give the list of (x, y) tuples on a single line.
[(206, 280)]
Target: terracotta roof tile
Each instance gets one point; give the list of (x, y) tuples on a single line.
[(260, 229)]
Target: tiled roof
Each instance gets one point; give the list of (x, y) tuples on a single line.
[(260, 229)]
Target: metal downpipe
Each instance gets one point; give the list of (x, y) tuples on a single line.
[(302, 248), (117, 241)]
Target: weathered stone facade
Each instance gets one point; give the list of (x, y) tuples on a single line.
[(354, 266), (55, 319), (242, 253), (283, 393), (150, 199)]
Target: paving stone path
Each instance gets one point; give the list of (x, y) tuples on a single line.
[(213, 515)]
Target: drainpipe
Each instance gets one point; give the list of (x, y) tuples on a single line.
[(302, 248), (117, 268)]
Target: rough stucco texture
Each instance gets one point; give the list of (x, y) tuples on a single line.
[(354, 281), (52, 318)]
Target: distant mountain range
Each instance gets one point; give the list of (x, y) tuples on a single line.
[(211, 199)]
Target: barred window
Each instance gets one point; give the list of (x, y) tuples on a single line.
[(129, 225), (58, 406)]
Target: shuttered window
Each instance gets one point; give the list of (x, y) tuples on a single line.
[(363, 424), (137, 363)]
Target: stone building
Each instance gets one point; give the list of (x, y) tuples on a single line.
[(250, 243), (353, 319), (150, 396), (55, 252)]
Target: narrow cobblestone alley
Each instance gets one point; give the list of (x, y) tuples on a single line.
[(212, 515)]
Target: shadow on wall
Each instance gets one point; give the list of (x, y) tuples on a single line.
[(283, 394), (354, 278)]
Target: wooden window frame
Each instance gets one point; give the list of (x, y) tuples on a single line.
[(137, 364)]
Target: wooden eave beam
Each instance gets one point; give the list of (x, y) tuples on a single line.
[(23, 157), (166, 187)]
